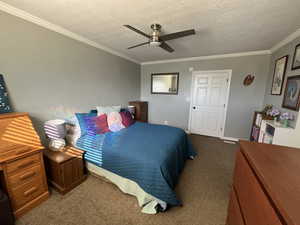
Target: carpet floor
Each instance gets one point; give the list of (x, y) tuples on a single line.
[(203, 187)]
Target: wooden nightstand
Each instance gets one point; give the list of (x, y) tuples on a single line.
[(64, 171), (141, 111)]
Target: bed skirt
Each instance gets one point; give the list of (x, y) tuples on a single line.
[(147, 202)]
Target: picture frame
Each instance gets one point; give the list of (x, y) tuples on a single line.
[(165, 83), (279, 75), (291, 99), (296, 60), (4, 101)]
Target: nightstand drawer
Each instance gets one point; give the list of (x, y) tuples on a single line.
[(27, 192), (25, 176), (23, 163)]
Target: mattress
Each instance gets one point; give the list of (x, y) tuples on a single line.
[(147, 202)]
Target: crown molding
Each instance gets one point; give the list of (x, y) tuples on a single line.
[(43, 23), (285, 41), (263, 52), (50, 26)]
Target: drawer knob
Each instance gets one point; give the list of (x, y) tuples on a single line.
[(30, 191), (25, 164), (27, 175)]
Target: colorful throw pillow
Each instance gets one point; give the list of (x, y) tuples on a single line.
[(101, 123), (85, 123), (107, 109), (114, 121), (91, 126), (127, 119)]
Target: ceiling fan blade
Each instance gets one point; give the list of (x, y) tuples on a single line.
[(137, 31), (176, 35), (166, 47), (139, 45)]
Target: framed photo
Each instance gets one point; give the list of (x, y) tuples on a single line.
[(292, 93), (279, 74), (296, 61), (164, 83)]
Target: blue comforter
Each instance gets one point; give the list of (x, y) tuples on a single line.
[(151, 155)]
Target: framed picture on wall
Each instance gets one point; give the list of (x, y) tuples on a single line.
[(291, 98), (279, 74), (296, 60)]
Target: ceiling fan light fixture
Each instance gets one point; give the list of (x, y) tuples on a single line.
[(155, 43)]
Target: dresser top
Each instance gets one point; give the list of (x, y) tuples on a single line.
[(278, 169), (13, 114)]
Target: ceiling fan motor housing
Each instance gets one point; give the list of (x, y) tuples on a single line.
[(154, 41)]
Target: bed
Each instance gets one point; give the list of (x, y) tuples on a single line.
[(143, 160)]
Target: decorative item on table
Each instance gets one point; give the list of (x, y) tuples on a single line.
[(4, 103), (291, 98), (275, 113), (296, 61), (266, 109), (55, 130), (248, 80), (131, 109), (279, 73), (285, 118)]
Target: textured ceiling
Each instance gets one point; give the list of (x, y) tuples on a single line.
[(222, 26)]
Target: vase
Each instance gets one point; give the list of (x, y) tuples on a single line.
[(285, 123)]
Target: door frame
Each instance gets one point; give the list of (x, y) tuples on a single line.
[(205, 73)]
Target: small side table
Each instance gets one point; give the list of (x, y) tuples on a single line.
[(64, 171)]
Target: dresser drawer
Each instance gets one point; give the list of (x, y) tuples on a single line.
[(24, 176), (255, 206), (21, 164), (27, 192), (234, 212), (13, 151)]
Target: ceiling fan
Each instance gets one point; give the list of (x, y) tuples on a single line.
[(155, 39)]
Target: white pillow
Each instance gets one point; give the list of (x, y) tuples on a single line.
[(107, 109)]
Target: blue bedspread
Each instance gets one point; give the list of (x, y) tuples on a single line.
[(151, 155)]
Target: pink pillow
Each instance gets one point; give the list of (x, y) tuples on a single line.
[(126, 118), (101, 123), (114, 121)]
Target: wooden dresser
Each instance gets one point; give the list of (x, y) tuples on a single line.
[(22, 171), (141, 111), (266, 186)]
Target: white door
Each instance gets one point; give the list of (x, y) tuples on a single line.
[(210, 91)]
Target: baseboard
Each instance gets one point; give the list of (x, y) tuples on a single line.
[(230, 139), (187, 131)]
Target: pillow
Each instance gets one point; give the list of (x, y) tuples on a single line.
[(93, 111), (114, 121), (126, 118), (107, 109), (101, 123), (84, 123), (91, 126)]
